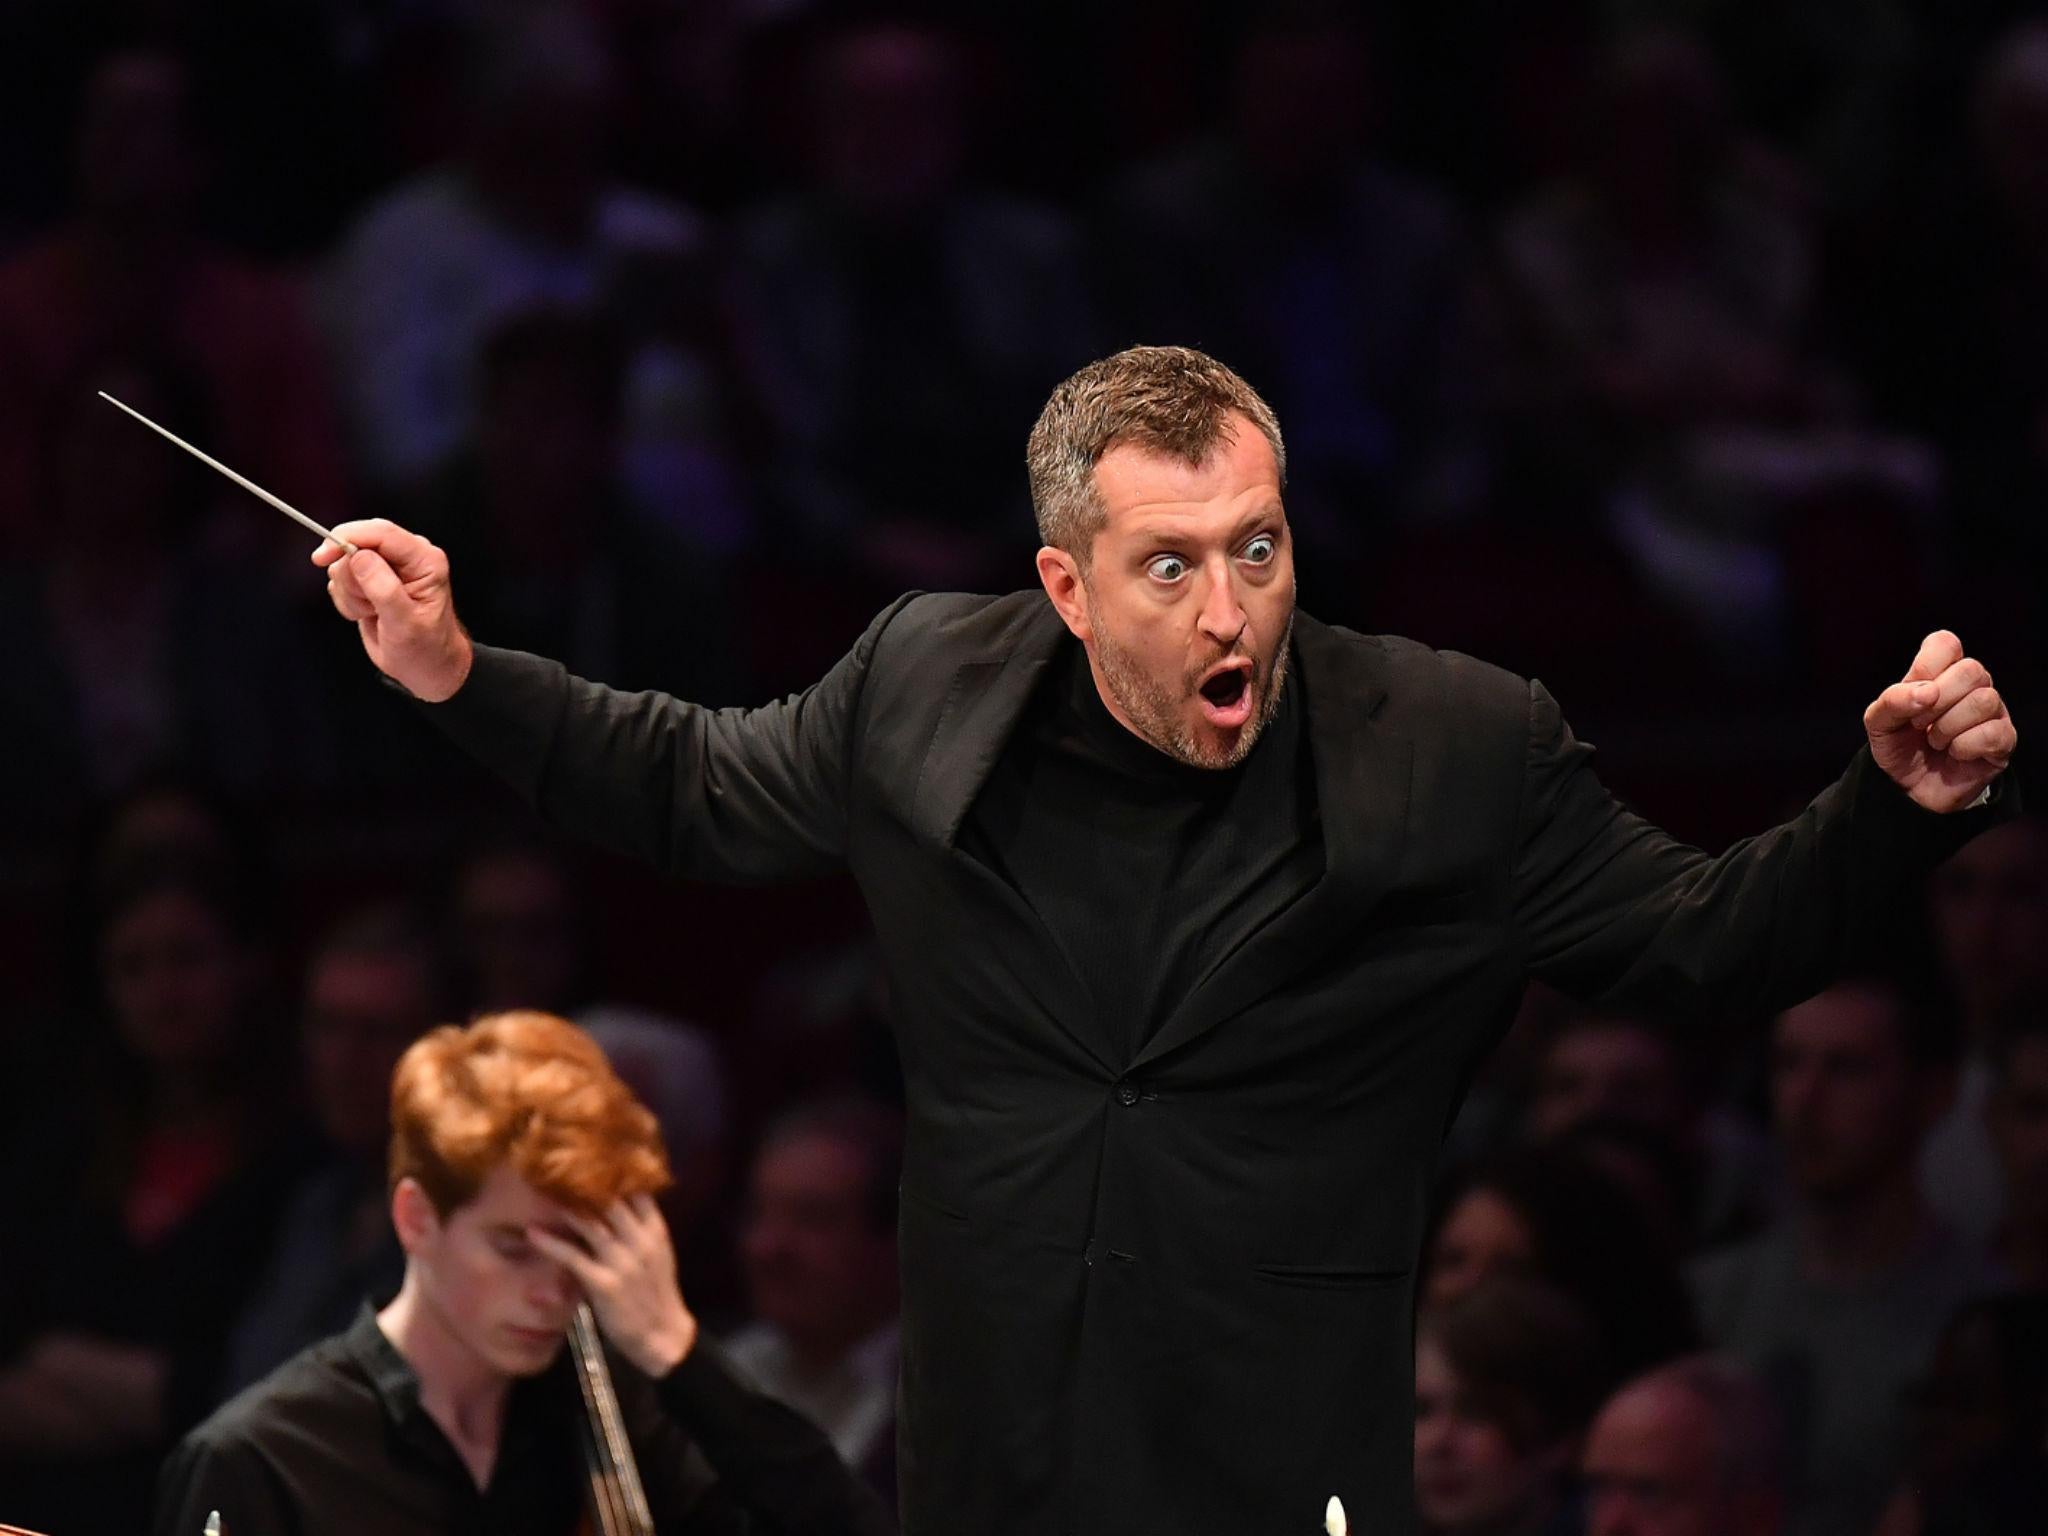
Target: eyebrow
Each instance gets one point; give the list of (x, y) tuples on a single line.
[(1272, 512)]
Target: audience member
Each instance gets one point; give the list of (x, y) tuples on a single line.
[(897, 321), (130, 273), (526, 214), (1691, 1449), (553, 558), (1989, 912), (1602, 1068), (1544, 1213), (128, 637), (1505, 1379), (1956, 324), (1659, 366), (1339, 285), (2016, 1114), (1838, 1303), (373, 986), (1979, 1449), (138, 1209), (819, 1252)]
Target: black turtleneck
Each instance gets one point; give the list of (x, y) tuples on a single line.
[(1146, 871)]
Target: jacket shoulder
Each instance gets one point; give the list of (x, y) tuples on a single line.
[(1419, 681), (949, 627)]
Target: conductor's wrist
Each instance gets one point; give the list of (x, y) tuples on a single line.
[(447, 679)]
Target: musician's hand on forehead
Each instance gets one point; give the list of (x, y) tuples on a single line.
[(623, 1259)]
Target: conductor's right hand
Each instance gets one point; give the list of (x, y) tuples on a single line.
[(395, 588)]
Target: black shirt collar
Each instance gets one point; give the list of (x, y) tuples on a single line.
[(390, 1376)]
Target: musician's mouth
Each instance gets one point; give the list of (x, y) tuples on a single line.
[(535, 1336)]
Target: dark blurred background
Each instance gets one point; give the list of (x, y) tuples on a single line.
[(1689, 354)]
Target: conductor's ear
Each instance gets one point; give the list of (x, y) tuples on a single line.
[(1060, 574)]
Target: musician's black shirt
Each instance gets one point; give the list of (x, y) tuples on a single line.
[(335, 1441)]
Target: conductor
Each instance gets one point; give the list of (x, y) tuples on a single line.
[(1199, 915)]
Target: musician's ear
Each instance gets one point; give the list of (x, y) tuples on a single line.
[(413, 1215)]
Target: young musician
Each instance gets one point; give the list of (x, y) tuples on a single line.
[(522, 1173)]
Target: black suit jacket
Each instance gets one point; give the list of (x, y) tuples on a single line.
[(1174, 1293)]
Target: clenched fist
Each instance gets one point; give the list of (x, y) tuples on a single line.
[(1942, 732)]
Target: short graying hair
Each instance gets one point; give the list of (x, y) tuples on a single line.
[(1171, 400)]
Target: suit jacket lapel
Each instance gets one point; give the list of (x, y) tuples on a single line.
[(1363, 783), (987, 695)]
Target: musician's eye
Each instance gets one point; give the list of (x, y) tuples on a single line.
[(508, 1245), (1167, 568)]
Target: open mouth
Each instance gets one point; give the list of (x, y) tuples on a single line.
[(1227, 695)]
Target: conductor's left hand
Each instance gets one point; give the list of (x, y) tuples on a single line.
[(1941, 732), (627, 1268)]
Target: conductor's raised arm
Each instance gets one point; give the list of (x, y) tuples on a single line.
[(738, 795)]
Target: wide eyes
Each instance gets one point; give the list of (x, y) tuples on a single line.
[(1167, 568), (1259, 550)]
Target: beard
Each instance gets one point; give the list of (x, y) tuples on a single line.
[(1160, 714)]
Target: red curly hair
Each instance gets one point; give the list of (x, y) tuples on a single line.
[(525, 1089)]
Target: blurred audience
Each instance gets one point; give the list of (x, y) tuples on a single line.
[(1837, 1305), (1988, 907), (900, 324), (1505, 1378), (525, 214), (1660, 371), (1338, 285), (553, 557), (142, 1201), (1691, 1449), (819, 1251), (131, 273), (373, 985), (127, 633), (2016, 1113), (1978, 1464), (1549, 1215), (1601, 1069)]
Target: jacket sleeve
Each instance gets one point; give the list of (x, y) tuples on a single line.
[(723, 1459), (1616, 913), (734, 795)]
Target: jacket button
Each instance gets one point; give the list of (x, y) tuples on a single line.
[(1127, 1094)]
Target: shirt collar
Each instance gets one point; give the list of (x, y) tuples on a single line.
[(390, 1376)]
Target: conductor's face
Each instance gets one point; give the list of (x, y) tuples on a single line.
[(1187, 603)]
